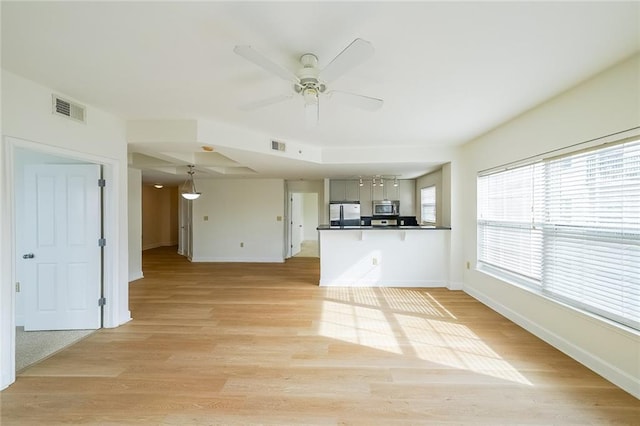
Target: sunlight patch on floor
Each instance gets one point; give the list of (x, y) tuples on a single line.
[(456, 346), (359, 325), (409, 322)]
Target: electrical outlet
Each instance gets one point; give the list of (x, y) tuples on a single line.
[(468, 265), (241, 244), (206, 218), (17, 287), (375, 260)]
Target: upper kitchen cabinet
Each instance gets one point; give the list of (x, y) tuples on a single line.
[(344, 190), (350, 190), (407, 197), (386, 191), (365, 198)]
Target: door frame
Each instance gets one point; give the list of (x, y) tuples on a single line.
[(185, 228), (300, 196), (111, 202), (287, 228)]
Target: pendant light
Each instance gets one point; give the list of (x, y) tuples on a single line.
[(189, 188)]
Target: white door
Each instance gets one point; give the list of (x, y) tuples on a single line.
[(62, 262), (296, 223)]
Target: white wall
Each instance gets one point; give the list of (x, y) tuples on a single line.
[(310, 216), (604, 105), (134, 207), (239, 211), (27, 122)]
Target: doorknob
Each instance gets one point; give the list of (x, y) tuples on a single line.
[(28, 256)]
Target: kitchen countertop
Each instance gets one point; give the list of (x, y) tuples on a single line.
[(381, 228)]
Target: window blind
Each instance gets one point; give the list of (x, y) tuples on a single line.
[(571, 226), (428, 204)]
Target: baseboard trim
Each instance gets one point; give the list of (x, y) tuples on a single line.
[(452, 285), (136, 276), (238, 259), (156, 245), (370, 283), (605, 369)]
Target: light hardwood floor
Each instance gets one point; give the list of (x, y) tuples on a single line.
[(263, 344)]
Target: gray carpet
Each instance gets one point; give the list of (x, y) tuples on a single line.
[(33, 346)]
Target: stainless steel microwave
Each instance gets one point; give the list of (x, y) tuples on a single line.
[(386, 208)]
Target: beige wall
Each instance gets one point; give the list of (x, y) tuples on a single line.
[(159, 217), (607, 104), (441, 179), (239, 220), (134, 205)]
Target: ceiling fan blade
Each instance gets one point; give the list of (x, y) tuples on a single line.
[(354, 54), (262, 61), (359, 101), (265, 102)]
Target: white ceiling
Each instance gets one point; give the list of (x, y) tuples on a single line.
[(447, 71)]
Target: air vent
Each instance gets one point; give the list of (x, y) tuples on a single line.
[(278, 146), (68, 109)]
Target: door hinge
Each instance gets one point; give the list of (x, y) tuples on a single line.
[(102, 301), (102, 183), (102, 242)]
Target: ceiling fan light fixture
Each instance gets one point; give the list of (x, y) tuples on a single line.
[(311, 114), (310, 95)]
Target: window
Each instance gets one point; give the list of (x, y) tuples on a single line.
[(428, 204), (569, 227)]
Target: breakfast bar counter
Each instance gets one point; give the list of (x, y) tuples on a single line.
[(365, 256)]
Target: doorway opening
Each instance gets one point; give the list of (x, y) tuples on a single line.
[(18, 154), (303, 224), (58, 234)]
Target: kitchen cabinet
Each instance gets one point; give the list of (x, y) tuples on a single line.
[(344, 190), (365, 198), (386, 192), (390, 191), (350, 190), (407, 197)]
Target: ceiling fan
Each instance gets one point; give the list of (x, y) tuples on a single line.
[(310, 82)]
